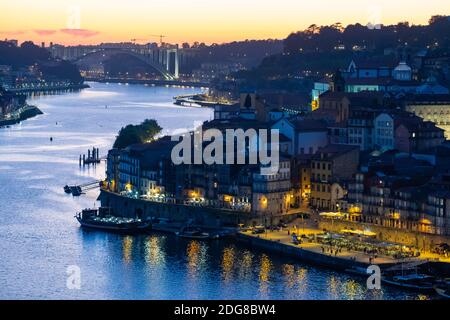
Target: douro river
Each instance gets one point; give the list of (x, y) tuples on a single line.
[(41, 242)]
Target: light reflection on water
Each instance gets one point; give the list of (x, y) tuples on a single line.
[(154, 255), (39, 236), (127, 245), (264, 273), (228, 263), (245, 267)]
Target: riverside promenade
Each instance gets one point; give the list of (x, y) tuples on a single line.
[(280, 241)]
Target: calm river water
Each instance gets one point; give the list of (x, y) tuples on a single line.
[(39, 237)]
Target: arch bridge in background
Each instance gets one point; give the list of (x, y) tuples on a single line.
[(159, 59)]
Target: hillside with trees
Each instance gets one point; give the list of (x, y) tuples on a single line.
[(320, 50), (375, 39)]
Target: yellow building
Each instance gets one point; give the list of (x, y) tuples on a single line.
[(331, 167)]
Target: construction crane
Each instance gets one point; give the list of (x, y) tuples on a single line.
[(161, 37)]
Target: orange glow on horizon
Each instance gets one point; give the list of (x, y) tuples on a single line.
[(73, 22)]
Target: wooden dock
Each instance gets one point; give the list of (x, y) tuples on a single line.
[(78, 190), (93, 157)]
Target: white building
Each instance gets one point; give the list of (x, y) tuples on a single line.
[(306, 135), (402, 72), (383, 134)]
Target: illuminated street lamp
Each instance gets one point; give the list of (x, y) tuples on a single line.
[(264, 202)]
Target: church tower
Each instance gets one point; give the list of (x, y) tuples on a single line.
[(337, 83)]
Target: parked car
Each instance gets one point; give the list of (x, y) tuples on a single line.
[(258, 229)]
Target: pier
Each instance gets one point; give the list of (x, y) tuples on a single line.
[(78, 190), (191, 101)]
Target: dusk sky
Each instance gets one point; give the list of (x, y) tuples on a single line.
[(95, 21)]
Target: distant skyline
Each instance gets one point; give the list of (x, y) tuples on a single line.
[(94, 21)]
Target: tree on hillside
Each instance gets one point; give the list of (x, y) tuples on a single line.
[(142, 133), (325, 38)]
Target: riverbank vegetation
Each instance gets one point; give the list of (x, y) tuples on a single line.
[(141, 133)]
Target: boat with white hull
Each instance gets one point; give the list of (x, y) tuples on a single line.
[(95, 219)]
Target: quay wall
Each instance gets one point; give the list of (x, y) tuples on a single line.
[(422, 241), (270, 220), (153, 82), (202, 216), (304, 255), (128, 207), (47, 89)]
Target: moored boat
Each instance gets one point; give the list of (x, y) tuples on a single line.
[(195, 233), (67, 189), (96, 219), (443, 292), (442, 288), (76, 191), (359, 271)]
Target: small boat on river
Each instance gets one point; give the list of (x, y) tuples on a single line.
[(195, 233), (98, 219), (442, 288), (74, 190), (359, 271)]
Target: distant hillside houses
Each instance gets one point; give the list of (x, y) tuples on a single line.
[(386, 74)]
